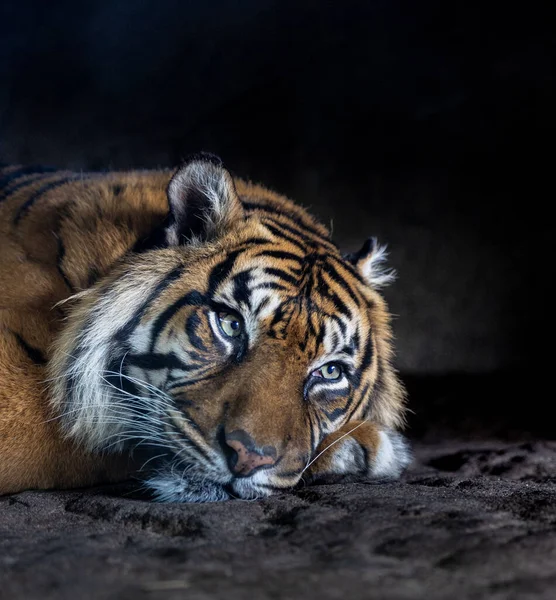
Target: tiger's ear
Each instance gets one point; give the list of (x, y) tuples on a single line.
[(370, 262), (203, 201)]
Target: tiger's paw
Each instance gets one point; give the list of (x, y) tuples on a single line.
[(360, 451)]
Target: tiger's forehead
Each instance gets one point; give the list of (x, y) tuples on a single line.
[(301, 292), (318, 277), (313, 298)]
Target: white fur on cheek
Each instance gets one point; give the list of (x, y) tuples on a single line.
[(90, 414)]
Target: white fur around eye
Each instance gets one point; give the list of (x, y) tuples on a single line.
[(215, 325), (320, 383)]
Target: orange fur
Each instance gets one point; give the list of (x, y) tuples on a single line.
[(64, 239)]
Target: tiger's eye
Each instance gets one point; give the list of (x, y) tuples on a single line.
[(331, 371), (231, 324)]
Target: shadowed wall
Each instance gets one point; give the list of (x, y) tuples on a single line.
[(422, 123)]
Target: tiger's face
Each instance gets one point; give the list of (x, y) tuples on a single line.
[(231, 352)]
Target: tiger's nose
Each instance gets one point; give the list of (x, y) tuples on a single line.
[(244, 458)]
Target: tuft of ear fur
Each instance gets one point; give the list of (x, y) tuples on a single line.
[(370, 261), (203, 201)]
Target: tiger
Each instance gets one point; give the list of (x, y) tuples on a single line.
[(192, 330)]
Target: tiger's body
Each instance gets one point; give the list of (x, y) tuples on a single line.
[(205, 326)]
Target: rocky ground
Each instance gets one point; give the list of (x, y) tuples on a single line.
[(469, 520)]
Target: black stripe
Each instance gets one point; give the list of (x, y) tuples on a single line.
[(294, 229), (282, 275), (331, 271), (155, 240), (155, 361), (34, 354), (25, 207), (221, 271), (356, 340), (339, 304), (189, 382), (380, 384), (93, 275), (193, 298), (356, 405), (27, 181), (192, 324), (313, 441), (269, 285), (256, 241), (314, 327), (21, 172), (368, 355), (60, 260), (115, 377), (123, 334), (293, 218), (279, 315), (352, 270), (335, 414), (347, 350), (191, 441), (275, 230), (339, 322), (366, 458), (262, 304), (241, 292), (281, 255)]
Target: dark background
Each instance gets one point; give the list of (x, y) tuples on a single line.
[(428, 124)]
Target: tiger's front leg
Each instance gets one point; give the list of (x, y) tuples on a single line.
[(360, 449)]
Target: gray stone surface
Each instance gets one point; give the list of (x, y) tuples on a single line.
[(470, 520)]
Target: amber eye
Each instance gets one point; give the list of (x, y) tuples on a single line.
[(330, 371), (231, 324)]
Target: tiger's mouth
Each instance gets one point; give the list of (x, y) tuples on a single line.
[(187, 483), (191, 484), (182, 474)]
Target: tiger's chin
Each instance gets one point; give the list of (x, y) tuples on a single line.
[(171, 487)]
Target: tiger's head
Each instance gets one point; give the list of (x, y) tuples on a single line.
[(231, 347)]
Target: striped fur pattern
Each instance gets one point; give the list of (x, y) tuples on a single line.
[(203, 327)]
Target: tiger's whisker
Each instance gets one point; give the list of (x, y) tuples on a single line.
[(330, 446)]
